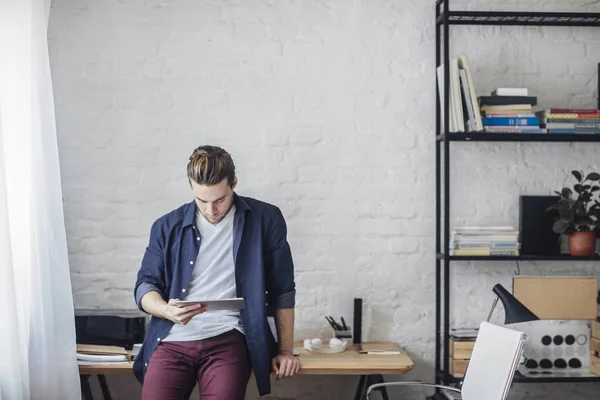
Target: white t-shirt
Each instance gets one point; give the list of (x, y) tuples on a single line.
[(213, 277)]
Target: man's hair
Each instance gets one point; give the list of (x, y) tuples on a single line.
[(209, 165)]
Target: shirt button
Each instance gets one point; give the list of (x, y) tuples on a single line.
[(158, 339), (198, 238), (145, 365), (191, 263), (183, 290)]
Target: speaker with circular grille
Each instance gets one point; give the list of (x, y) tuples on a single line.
[(555, 347)]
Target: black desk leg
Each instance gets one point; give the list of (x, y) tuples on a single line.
[(361, 388), (378, 379), (104, 387), (85, 387), (363, 385)]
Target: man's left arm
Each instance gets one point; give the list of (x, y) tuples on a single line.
[(282, 293)]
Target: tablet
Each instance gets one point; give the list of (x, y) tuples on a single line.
[(236, 303)]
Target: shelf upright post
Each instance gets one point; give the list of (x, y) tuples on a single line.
[(437, 201), (446, 25)]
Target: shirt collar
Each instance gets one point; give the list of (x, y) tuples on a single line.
[(189, 216)]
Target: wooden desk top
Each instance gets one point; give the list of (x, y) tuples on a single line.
[(347, 363), (350, 362), (107, 369)]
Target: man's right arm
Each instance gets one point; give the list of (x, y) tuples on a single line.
[(150, 285), (153, 303)]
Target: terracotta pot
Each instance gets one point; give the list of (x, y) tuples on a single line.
[(582, 243)]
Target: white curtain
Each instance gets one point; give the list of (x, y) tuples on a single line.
[(37, 332)]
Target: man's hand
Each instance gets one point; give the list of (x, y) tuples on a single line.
[(285, 365), (181, 315)]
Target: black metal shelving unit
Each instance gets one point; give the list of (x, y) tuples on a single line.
[(444, 18)]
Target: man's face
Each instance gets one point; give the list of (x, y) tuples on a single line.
[(214, 201)]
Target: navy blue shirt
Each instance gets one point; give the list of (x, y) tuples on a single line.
[(264, 275)]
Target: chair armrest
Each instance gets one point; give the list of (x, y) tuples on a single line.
[(385, 384)]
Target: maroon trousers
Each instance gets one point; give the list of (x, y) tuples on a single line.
[(220, 365)]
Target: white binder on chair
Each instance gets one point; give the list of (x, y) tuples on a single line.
[(496, 356)]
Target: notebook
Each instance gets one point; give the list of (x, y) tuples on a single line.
[(378, 348)]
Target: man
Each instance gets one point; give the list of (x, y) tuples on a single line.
[(218, 246)]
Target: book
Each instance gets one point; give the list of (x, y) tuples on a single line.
[(507, 109), (484, 244), (464, 333), (98, 349), (507, 100), (484, 252), (503, 121), (510, 92), (378, 348), (101, 357), (463, 65)]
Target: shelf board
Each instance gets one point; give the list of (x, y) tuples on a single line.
[(524, 257), (517, 137), (521, 18), (588, 377)]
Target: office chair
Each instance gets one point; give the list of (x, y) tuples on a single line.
[(497, 353)]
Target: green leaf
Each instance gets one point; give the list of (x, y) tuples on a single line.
[(593, 176), (560, 226), (578, 188), (566, 193), (594, 188), (552, 207), (586, 196), (577, 175)]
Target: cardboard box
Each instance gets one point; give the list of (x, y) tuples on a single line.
[(457, 367), (596, 329), (595, 365), (595, 347), (461, 349), (558, 297)]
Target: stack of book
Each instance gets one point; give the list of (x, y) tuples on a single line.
[(570, 120), (89, 354), (484, 241), (509, 110)]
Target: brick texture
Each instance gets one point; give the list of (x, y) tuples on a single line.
[(327, 107)]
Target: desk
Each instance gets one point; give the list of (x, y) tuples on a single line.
[(85, 371), (370, 368)]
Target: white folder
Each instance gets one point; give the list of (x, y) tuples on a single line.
[(495, 358)]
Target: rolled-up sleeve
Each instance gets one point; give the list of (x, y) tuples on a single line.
[(151, 276), (280, 281)]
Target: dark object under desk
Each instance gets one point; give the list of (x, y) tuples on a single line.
[(122, 328)]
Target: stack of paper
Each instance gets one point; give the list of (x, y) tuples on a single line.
[(378, 348), (93, 354), (484, 241)]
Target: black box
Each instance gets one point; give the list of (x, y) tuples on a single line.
[(535, 226), (113, 330)]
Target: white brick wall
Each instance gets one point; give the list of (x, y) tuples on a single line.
[(328, 109)]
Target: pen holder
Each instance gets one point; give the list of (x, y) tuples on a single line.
[(343, 334)]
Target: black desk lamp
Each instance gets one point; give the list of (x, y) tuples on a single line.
[(514, 310)]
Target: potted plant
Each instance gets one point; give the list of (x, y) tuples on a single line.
[(579, 216)]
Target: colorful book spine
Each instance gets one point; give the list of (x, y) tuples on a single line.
[(484, 245), (484, 252), (497, 121)]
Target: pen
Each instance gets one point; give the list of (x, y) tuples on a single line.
[(330, 322), (337, 327), (344, 324)]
